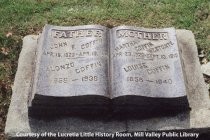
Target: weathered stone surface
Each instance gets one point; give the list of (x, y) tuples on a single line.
[(206, 68), (18, 106), (147, 63), (197, 90), (68, 57), (18, 120), (197, 94)]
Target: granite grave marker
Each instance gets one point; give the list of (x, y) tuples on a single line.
[(197, 120), (94, 69)]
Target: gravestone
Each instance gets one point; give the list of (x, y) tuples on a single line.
[(197, 94), (79, 68)]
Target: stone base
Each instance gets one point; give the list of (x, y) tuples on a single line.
[(196, 120)]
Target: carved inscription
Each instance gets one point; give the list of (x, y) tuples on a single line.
[(125, 45), (87, 67), (161, 47), (60, 80), (145, 56), (141, 80), (135, 67), (76, 33), (148, 62), (74, 59), (60, 67), (145, 46), (139, 61), (59, 45), (158, 69), (125, 33), (91, 44), (90, 78)]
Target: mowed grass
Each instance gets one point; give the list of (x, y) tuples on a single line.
[(22, 17)]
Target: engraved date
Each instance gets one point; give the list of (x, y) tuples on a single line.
[(62, 80), (161, 81), (90, 78), (135, 79)]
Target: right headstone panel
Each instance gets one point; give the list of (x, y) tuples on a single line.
[(147, 62)]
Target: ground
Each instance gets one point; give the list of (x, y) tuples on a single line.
[(23, 17)]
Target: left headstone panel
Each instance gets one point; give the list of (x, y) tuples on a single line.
[(71, 71)]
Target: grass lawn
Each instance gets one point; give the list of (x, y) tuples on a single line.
[(22, 17)]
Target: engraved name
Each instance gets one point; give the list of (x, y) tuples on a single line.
[(161, 47), (135, 67), (123, 33), (58, 45), (87, 67), (61, 44), (145, 46), (91, 44), (158, 69), (60, 67), (76, 33), (125, 45)]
